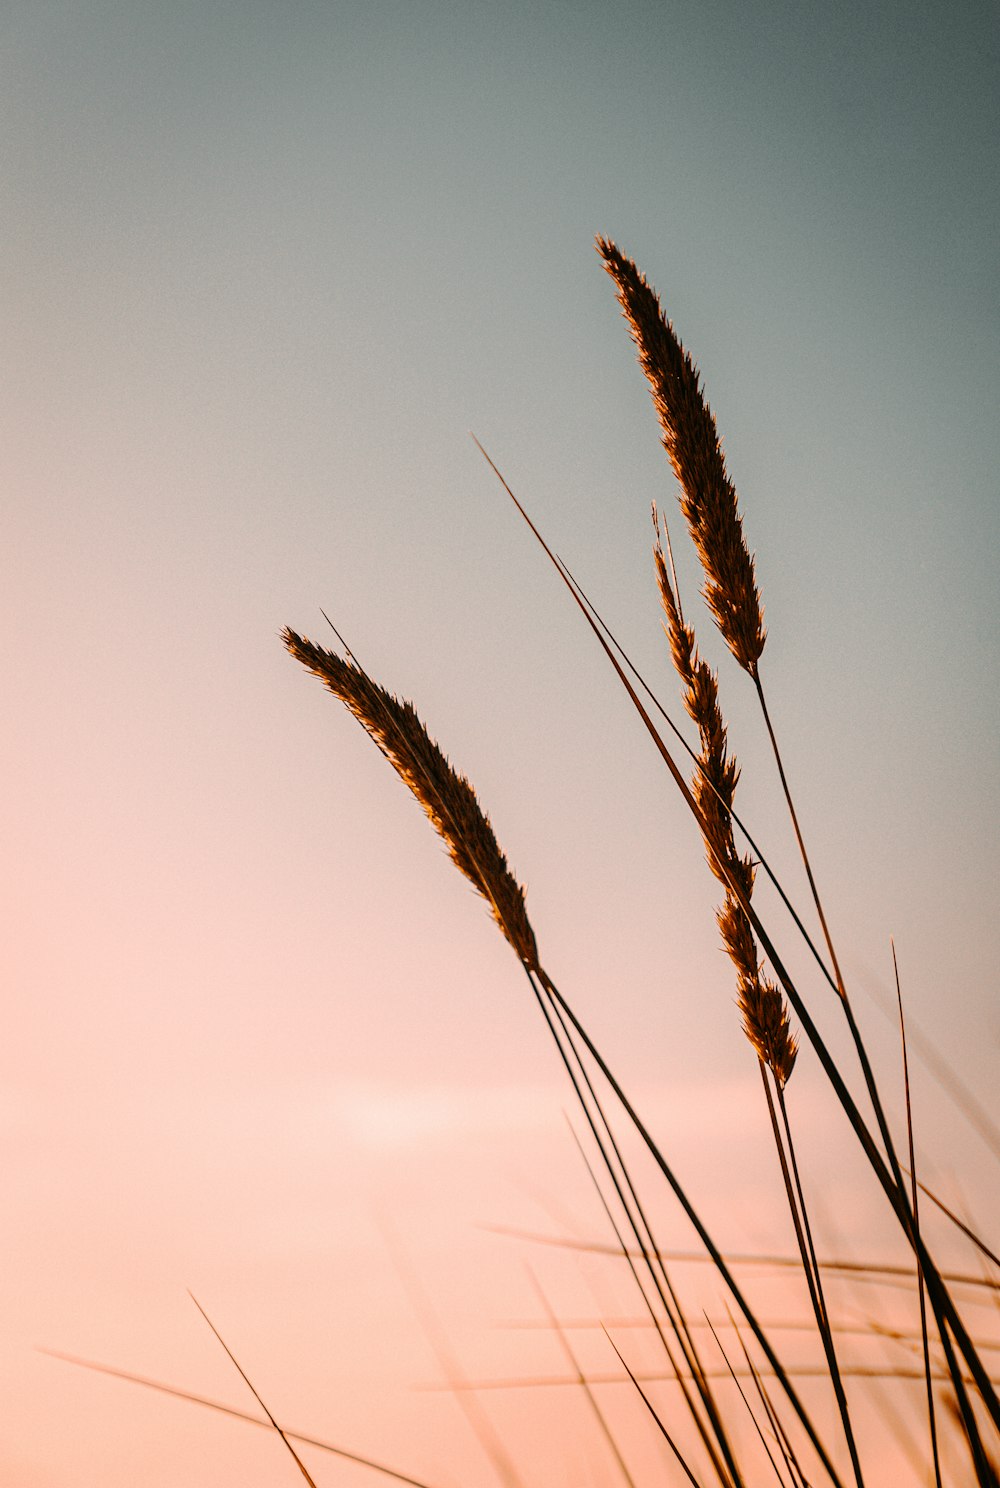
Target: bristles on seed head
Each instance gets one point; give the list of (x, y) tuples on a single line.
[(691, 440), (445, 795), (765, 1020)]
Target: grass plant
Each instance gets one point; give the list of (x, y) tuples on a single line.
[(737, 1414), (960, 1396)]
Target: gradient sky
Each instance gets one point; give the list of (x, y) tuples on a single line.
[(263, 268)]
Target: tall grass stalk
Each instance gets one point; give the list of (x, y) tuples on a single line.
[(768, 996), (892, 1186)]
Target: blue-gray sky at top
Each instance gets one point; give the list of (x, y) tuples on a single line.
[(263, 267)]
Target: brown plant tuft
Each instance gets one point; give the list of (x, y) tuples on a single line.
[(446, 796), (765, 1016), (691, 440)]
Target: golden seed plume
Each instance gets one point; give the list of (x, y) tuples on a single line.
[(446, 796), (765, 1016), (691, 440)]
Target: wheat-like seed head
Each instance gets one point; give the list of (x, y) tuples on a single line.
[(691, 440), (765, 1017), (714, 782), (446, 796), (761, 1003)]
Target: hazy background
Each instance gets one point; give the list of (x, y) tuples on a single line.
[(263, 267)]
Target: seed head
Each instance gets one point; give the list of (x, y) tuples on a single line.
[(691, 440), (446, 796)]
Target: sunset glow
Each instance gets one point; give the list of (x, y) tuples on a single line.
[(265, 268)]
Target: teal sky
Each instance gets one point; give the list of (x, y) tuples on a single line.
[(264, 267)]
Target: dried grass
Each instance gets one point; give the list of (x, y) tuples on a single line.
[(709, 504), (691, 440), (765, 1015), (446, 796)]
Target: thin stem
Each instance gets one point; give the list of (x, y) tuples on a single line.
[(649, 1406), (807, 1258), (943, 1307), (892, 1185), (742, 1392), (959, 1224), (971, 1108), (985, 1475), (781, 1435), (652, 1252), (822, 1314), (914, 1201), (551, 1012), (894, 1190), (803, 1236), (630, 1261), (800, 840), (862, 1053), (582, 1379), (237, 1415), (700, 1229), (760, 859), (298, 1460)]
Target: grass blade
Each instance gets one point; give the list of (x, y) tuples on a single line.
[(914, 1201), (228, 1410), (583, 1382), (653, 1412), (298, 1460), (746, 1402)]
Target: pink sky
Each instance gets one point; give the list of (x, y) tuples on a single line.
[(263, 272)]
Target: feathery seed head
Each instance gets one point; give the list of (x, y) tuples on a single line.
[(765, 1022), (691, 440), (761, 1004), (446, 796)]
